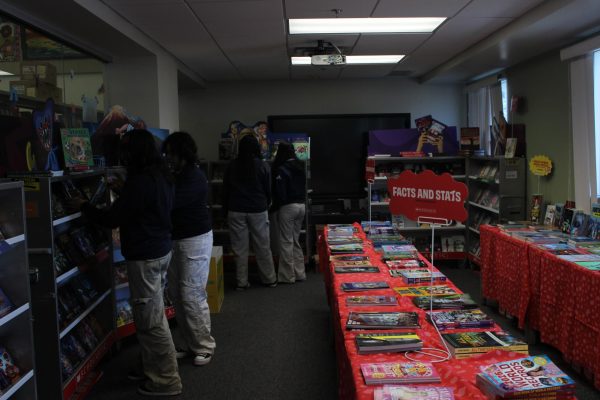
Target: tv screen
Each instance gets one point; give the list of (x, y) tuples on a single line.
[(338, 147)]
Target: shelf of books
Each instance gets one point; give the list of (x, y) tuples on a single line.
[(395, 315), (73, 296), (497, 187), (17, 363), (450, 245)]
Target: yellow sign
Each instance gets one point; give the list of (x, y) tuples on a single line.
[(540, 165)]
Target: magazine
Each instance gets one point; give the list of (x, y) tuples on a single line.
[(358, 286), (456, 319), (405, 392), (437, 290), (371, 301), (480, 342), (458, 301), (382, 320), (367, 343), (406, 372), (356, 269)]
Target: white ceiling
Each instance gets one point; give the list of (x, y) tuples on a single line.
[(228, 40)]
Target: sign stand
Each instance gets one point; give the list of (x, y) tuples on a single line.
[(370, 183), (437, 355)]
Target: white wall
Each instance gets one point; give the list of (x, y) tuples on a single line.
[(168, 96), (205, 113)]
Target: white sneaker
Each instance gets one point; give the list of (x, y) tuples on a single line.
[(202, 359)]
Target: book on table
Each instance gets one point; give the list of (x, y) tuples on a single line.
[(399, 372), (405, 392), (371, 301), (345, 257), (367, 343), (359, 286), (467, 344), (408, 263), (528, 377), (356, 269), (451, 301), (346, 248), (436, 290), (358, 263), (382, 320), (410, 276), (456, 319)]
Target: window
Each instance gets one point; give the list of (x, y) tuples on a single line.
[(504, 89)]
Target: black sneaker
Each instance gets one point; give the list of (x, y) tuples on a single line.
[(136, 376), (147, 389)]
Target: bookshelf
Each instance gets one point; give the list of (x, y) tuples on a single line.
[(216, 172), (450, 242), (497, 188), (73, 298), (16, 331)]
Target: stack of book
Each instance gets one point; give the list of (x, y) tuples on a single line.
[(411, 276), (399, 373), (382, 320), (371, 301), (407, 263), (405, 392), (348, 248), (360, 286), (353, 266), (456, 319), (399, 252), (468, 344), (368, 343), (451, 301), (534, 377), (435, 290)]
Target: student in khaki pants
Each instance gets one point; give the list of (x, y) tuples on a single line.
[(143, 214)]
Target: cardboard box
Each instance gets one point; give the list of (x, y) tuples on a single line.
[(215, 286), (40, 90), (37, 71)]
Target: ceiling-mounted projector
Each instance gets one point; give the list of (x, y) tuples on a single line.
[(328, 59)]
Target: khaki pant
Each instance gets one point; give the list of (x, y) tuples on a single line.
[(187, 277), (146, 284), (291, 258)]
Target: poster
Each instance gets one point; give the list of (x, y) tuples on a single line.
[(10, 41), (77, 149)]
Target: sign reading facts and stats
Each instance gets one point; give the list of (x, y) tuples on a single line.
[(427, 195)]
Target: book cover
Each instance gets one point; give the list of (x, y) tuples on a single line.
[(533, 373), (346, 248), (478, 342), (357, 286), (381, 342), (7, 365), (382, 320), (565, 220), (578, 223), (550, 214), (591, 265), (511, 147), (580, 257), (406, 392), (356, 269), (349, 258), (336, 263), (459, 301), (371, 301), (406, 263), (460, 319), (535, 212), (406, 372), (436, 290), (77, 148)]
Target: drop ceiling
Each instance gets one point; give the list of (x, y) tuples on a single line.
[(232, 40)]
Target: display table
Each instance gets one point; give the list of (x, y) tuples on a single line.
[(558, 298), (458, 374)]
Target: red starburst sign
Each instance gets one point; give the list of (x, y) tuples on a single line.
[(428, 196)]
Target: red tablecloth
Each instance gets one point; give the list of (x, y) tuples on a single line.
[(459, 374), (558, 298)]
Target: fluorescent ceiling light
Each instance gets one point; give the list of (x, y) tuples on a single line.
[(301, 61), (390, 59), (4, 73), (364, 25)]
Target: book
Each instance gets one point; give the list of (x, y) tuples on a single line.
[(336, 258), (535, 212), (565, 220), (351, 263), (580, 257), (6, 305), (578, 223), (371, 301), (346, 248), (436, 290), (368, 343), (550, 214), (356, 269), (382, 320), (511, 147), (8, 368), (358, 286), (410, 276), (472, 343), (528, 375), (406, 392), (77, 148), (456, 319), (406, 372), (406, 263), (451, 301), (591, 265)]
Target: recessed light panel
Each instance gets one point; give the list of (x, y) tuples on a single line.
[(363, 25)]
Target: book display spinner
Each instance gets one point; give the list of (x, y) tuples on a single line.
[(450, 243), (497, 188), (17, 371), (73, 298)]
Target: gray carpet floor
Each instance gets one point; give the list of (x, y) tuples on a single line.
[(276, 343)]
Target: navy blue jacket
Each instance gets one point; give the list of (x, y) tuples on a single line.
[(190, 213), (143, 214), (250, 195), (289, 184)]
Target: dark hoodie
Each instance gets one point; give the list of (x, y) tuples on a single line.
[(289, 183)]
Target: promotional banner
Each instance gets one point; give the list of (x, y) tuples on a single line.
[(428, 196)]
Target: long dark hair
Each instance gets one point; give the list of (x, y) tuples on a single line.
[(140, 154), (183, 146), (285, 151), (248, 152)]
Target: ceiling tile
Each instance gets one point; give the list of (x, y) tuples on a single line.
[(311, 72), (389, 44), (343, 42), (139, 2), (420, 8), (366, 71), (163, 15), (497, 9), (322, 8)]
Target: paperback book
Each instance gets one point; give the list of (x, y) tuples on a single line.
[(466, 344), (346, 248), (411, 276), (405, 392), (336, 263), (341, 258), (367, 343), (371, 301), (457, 319), (407, 263), (356, 269), (382, 320), (399, 373), (6, 305), (358, 286), (452, 301), (436, 290)]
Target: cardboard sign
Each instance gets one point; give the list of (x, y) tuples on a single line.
[(428, 196), (540, 165), (370, 170)]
